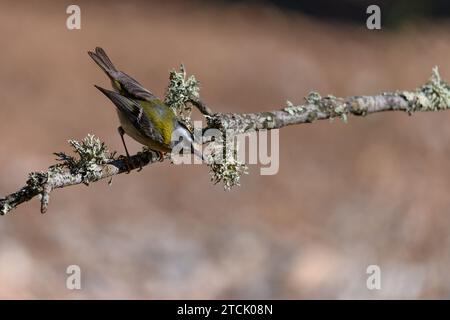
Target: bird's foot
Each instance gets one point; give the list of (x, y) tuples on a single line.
[(126, 160), (140, 165)]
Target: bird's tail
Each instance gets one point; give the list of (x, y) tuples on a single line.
[(102, 60)]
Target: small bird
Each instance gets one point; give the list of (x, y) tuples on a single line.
[(143, 116)]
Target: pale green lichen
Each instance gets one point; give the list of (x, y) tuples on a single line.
[(267, 119), (339, 109), (334, 107), (91, 153), (36, 179), (330, 105), (34, 184), (433, 96), (313, 97), (293, 109), (5, 208), (181, 90), (224, 164)]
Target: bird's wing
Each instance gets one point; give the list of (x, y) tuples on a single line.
[(135, 113), (127, 84), (133, 88)]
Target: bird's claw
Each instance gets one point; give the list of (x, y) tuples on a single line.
[(140, 166), (126, 160)]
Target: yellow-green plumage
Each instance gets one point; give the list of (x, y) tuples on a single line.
[(162, 116), (151, 123), (116, 85)]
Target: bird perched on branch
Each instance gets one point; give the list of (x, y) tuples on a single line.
[(143, 116)]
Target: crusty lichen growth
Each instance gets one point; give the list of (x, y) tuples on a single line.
[(293, 109), (330, 105), (37, 179), (92, 162), (224, 164), (433, 96), (34, 186), (5, 208), (335, 107), (180, 91), (91, 152)]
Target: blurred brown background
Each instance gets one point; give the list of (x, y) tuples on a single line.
[(373, 191)]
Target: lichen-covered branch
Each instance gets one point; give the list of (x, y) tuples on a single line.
[(433, 96), (93, 162)]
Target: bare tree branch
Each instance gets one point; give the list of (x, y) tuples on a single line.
[(96, 163)]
